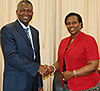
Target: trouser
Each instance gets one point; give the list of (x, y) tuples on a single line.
[(66, 87)]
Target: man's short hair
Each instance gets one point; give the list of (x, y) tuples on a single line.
[(24, 1)]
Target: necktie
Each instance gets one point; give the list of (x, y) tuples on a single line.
[(27, 33)]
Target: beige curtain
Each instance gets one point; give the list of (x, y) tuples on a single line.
[(49, 20)]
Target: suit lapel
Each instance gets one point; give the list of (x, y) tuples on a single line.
[(63, 47), (71, 46), (21, 31), (66, 44), (74, 42), (33, 36)]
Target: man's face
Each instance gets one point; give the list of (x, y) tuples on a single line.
[(25, 13)]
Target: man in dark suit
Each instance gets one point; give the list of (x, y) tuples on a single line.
[(21, 50)]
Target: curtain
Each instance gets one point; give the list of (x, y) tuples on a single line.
[(48, 18)]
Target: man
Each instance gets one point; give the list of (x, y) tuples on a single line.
[(21, 52)]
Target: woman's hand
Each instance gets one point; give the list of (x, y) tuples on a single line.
[(67, 75), (84, 71)]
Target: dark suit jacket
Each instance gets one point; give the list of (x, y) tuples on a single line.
[(20, 71)]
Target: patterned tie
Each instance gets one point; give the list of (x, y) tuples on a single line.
[(27, 33)]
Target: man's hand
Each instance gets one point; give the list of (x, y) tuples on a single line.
[(50, 70), (45, 70), (40, 89), (42, 70)]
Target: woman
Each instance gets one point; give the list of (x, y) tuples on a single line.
[(79, 54)]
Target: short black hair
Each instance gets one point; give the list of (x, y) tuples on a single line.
[(78, 17), (24, 1)]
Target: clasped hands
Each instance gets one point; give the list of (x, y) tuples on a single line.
[(45, 70)]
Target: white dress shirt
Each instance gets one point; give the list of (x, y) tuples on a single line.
[(30, 35)]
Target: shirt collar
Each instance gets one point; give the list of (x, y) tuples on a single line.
[(23, 25)]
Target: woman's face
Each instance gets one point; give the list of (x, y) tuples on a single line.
[(73, 25)]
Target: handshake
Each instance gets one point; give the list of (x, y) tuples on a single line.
[(45, 70)]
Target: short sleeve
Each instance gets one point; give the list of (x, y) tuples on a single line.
[(91, 49)]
